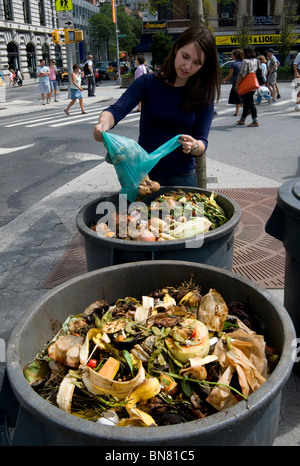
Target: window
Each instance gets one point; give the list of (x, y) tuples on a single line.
[(42, 12), (26, 11), (260, 7), (8, 12)]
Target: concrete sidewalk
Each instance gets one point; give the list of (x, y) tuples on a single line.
[(106, 91), (32, 244)]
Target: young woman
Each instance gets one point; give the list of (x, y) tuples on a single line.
[(178, 101), (234, 99), (249, 65), (53, 80), (76, 90)]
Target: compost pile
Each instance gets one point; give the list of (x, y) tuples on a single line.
[(170, 357), (174, 215)]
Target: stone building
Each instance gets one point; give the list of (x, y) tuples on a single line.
[(25, 34)]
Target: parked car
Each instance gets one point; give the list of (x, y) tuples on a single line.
[(227, 64), (64, 76), (101, 69)]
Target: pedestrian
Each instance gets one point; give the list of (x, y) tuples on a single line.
[(177, 101), (263, 92), (140, 70), (272, 73), (89, 73), (19, 78), (76, 90), (42, 73), (234, 99), (53, 80), (249, 65), (296, 67), (11, 77)]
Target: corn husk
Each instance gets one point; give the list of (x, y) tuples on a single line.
[(213, 311), (220, 396), (99, 385)]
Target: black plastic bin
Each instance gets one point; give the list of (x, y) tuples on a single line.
[(217, 248), (284, 224), (253, 422)]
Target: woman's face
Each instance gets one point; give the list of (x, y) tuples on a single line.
[(187, 63)]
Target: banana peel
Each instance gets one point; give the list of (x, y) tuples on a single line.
[(142, 392), (99, 385), (65, 393), (191, 299)]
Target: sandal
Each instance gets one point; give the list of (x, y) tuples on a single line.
[(84, 113), (66, 112), (254, 124)]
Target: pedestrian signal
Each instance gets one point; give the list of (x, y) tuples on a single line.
[(72, 35), (55, 37)]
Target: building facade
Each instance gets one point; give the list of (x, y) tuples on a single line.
[(263, 19), (25, 34)]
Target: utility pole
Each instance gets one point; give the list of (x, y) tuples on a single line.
[(115, 20), (197, 19)]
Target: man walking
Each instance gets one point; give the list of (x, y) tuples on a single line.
[(272, 73), (90, 75), (296, 68), (42, 73)]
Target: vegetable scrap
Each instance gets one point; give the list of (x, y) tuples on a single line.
[(169, 357), (174, 215)]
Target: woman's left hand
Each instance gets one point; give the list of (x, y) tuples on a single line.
[(187, 142)]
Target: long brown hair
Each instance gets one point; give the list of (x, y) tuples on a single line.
[(203, 88)]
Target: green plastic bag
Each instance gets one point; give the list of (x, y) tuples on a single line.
[(132, 163)]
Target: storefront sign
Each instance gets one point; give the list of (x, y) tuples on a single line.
[(255, 39), (155, 25)]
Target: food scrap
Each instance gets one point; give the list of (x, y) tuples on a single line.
[(173, 215), (169, 357)]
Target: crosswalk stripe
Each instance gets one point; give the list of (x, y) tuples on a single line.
[(130, 117)]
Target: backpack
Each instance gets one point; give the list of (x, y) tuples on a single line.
[(86, 69), (292, 69), (259, 74)]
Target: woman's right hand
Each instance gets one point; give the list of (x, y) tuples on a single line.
[(98, 132), (106, 121)]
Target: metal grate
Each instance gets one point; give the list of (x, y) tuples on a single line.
[(257, 255)]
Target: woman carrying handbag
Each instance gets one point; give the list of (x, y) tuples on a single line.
[(248, 74)]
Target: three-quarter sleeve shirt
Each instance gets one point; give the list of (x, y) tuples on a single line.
[(162, 118)]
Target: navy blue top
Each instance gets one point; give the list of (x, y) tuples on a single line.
[(162, 119)]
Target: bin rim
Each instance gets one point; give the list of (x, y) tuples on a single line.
[(288, 197), (213, 424), (207, 237)]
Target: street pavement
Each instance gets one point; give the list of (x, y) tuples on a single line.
[(32, 244)]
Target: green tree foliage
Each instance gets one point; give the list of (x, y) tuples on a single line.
[(103, 30), (160, 47), (288, 37)]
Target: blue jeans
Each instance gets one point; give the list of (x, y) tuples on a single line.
[(185, 179)]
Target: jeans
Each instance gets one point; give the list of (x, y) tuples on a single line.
[(185, 179), (91, 86), (249, 106)]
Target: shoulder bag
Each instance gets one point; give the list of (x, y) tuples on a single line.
[(248, 84)]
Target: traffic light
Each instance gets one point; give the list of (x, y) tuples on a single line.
[(73, 35), (55, 37)]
